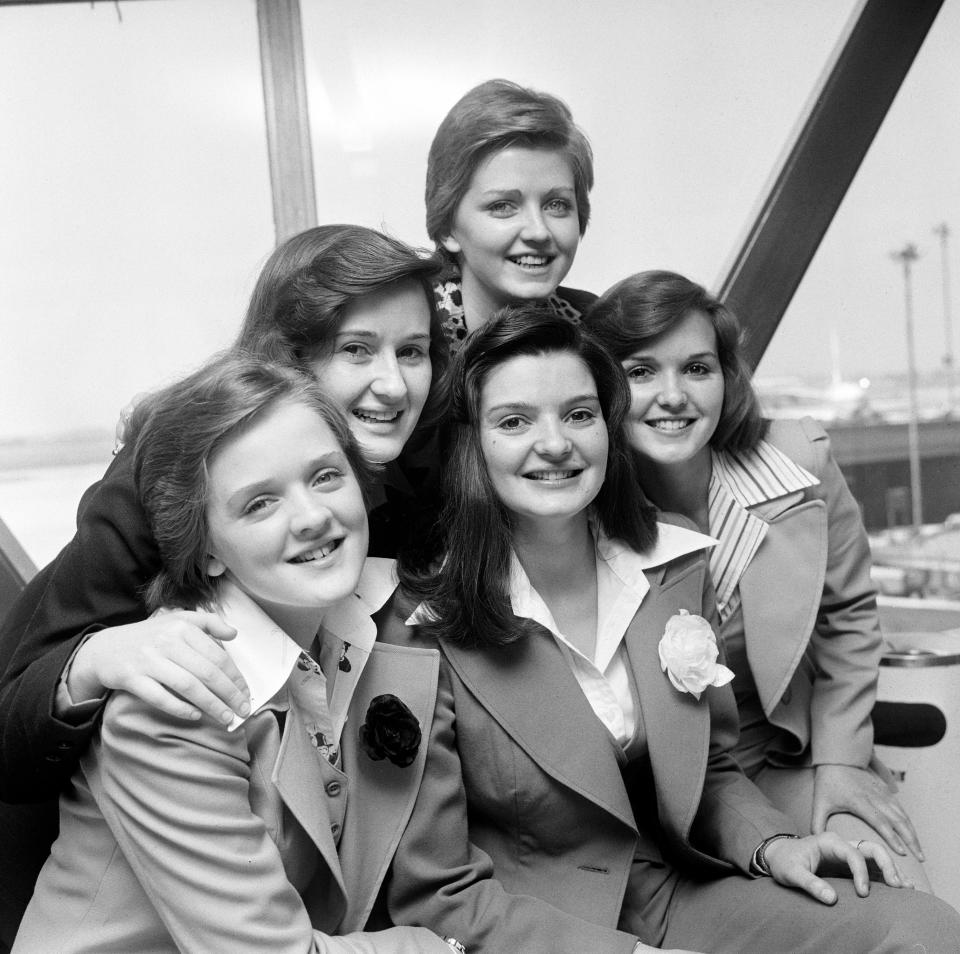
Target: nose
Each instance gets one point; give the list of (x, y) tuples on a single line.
[(388, 383), (535, 226), (311, 516), (553, 441), (672, 394)]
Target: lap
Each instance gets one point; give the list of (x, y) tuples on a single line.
[(737, 915)]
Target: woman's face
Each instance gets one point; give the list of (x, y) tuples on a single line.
[(285, 514), (543, 436), (516, 229), (378, 368), (677, 387)]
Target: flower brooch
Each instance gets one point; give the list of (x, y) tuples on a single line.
[(688, 654), (390, 731)]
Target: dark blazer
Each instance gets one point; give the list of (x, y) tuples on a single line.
[(814, 650), (525, 771)]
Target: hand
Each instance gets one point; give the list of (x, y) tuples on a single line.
[(169, 661), (794, 861), (846, 788)]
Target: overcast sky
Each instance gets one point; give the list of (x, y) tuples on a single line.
[(134, 187)]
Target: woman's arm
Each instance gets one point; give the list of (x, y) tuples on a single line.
[(177, 798), (95, 582)]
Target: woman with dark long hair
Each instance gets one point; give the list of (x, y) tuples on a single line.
[(585, 721)]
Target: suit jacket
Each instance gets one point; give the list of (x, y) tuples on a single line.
[(524, 770), (809, 609), (181, 836)]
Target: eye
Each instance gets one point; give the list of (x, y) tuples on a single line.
[(355, 350), (258, 505), (501, 208), (412, 353), (699, 369), (582, 415), (512, 423), (327, 476), (639, 372), (559, 206)]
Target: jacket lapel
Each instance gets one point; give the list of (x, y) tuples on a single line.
[(299, 778), (677, 725), (779, 612), (382, 794), (527, 686)]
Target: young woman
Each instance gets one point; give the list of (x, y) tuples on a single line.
[(792, 569), (584, 724), (508, 198), (179, 836), (360, 301)]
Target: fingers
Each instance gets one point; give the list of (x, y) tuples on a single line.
[(806, 880), (879, 855), (893, 823)]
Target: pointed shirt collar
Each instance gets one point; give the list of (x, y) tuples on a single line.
[(266, 655), (762, 474)]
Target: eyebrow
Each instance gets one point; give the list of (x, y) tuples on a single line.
[(690, 357), (516, 406), (364, 333), (503, 192)]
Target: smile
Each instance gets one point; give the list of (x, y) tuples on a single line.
[(552, 476), (377, 417), (672, 424), (319, 553), (531, 261)]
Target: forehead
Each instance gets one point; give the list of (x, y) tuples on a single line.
[(693, 334), (547, 379), (523, 166), (289, 434), (400, 308)]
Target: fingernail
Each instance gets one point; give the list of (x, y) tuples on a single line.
[(245, 709), (226, 717)]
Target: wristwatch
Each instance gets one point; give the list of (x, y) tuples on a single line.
[(455, 945)]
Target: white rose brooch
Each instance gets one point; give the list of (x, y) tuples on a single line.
[(688, 654)]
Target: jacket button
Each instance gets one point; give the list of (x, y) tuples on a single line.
[(333, 789), (52, 758), (786, 697), (64, 746), (335, 829)]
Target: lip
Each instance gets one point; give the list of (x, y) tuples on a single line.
[(532, 263), (319, 554), (554, 476), (671, 425)]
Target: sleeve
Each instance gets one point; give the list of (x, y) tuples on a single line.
[(846, 644), (95, 581), (177, 798), (442, 881)]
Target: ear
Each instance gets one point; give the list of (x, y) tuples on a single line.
[(451, 245), (215, 566)]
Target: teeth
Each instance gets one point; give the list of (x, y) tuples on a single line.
[(530, 259), (377, 417), (317, 554), (550, 475), (669, 425)]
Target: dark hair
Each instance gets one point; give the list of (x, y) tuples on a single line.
[(491, 117), (304, 310), (637, 309), (175, 433), (469, 595)]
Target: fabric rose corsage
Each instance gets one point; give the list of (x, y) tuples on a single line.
[(391, 731), (688, 654)]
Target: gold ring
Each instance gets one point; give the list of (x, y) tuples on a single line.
[(859, 843)]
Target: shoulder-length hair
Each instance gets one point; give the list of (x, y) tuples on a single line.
[(176, 432), (302, 311), (469, 595), (637, 309), (491, 117)]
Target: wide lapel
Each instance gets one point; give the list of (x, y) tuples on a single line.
[(677, 725), (382, 794), (299, 778), (779, 606), (531, 692)]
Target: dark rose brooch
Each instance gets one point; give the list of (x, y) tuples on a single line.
[(390, 731)]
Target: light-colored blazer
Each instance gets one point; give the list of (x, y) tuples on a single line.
[(809, 609), (524, 770), (180, 836)]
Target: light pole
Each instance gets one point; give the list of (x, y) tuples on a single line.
[(907, 256), (943, 231)]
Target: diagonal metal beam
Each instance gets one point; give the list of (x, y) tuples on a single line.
[(855, 93), (288, 122)]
